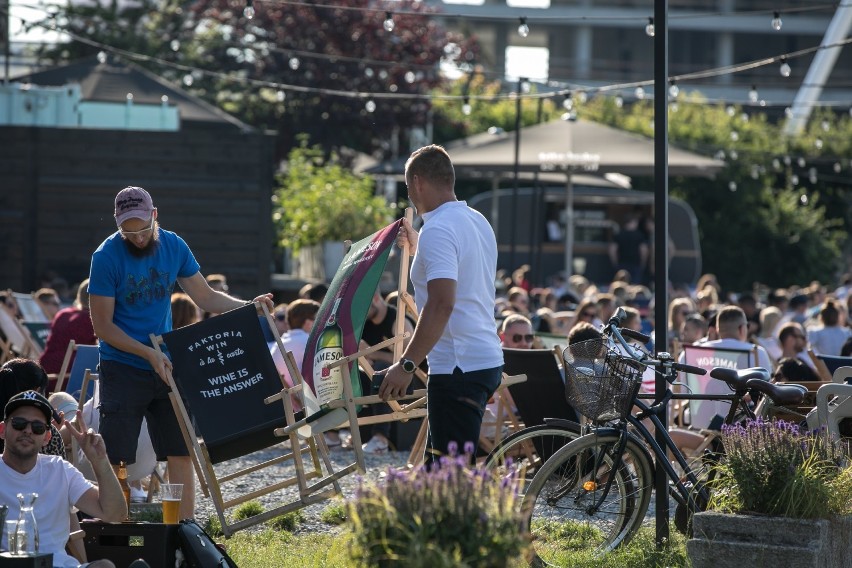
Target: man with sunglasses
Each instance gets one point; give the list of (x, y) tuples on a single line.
[(25, 429), (517, 332), (133, 274)]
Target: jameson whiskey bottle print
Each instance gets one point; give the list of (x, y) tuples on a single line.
[(328, 382)]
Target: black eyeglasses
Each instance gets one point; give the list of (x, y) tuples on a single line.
[(37, 426), (590, 315), (527, 338)]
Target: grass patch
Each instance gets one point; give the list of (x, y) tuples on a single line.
[(246, 510), (275, 548), (287, 522), (334, 514)]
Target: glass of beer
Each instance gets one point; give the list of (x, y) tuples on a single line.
[(170, 495)]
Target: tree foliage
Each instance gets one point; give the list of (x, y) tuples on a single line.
[(321, 51), (777, 213), (319, 200)]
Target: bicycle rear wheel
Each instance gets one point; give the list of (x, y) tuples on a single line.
[(530, 448), (587, 498)]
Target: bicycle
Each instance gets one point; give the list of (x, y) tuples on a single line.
[(594, 491), (532, 446)]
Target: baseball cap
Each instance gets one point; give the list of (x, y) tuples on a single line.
[(29, 398), (133, 203)]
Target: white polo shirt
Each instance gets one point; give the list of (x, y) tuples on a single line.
[(457, 242)]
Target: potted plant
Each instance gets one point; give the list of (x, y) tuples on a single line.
[(320, 201), (780, 497)]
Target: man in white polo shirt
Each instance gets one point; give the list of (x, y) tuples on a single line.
[(455, 259)]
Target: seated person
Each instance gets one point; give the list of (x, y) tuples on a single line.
[(19, 375), (69, 324), (24, 470), (793, 370)]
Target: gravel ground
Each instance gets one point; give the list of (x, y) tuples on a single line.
[(376, 466)]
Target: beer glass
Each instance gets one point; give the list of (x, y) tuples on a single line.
[(170, 495)]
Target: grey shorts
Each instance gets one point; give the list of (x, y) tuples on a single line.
[(127, 395)]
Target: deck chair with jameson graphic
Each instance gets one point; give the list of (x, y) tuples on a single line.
[(222, 374), (331, 392)]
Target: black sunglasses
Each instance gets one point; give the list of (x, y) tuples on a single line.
[(281, 317), (518, 337), (37, 426)]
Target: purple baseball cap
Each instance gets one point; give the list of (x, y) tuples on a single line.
[(133, 203)]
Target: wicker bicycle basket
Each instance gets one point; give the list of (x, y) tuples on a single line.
[(600, 383)]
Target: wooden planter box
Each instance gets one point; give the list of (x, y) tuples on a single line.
[(722, 540)]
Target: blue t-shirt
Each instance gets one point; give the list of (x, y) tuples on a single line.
[(142, 288)]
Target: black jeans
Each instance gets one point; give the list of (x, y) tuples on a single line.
[(455, 404)]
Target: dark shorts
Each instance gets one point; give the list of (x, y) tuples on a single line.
[(455, 404), (129, 394)]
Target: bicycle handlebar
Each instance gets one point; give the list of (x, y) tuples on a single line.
[(689, 369), (633, 334)]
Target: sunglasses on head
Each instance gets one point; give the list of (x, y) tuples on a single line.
[(37, 426), (527, 338)]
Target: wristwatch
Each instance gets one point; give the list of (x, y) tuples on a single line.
[(408, 365)]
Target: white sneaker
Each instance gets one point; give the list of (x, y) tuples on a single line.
[(376, 445), (138, 495)]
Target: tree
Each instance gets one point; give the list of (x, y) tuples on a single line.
[(324, 52), (319, 200), (764, 218)]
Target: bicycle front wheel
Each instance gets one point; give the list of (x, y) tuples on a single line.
[(528, 449), (586, 497)]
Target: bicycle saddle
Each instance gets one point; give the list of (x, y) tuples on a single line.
[(738, 378), (780, 394)]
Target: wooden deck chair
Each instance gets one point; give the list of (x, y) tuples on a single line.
[(18, 342), (223, 373), (85, 357), (827, 365), (704, 412), (29, 308), (330, 387), (39, 332)]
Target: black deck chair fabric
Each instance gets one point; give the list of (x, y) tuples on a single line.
[(238, 366), (835, 362)]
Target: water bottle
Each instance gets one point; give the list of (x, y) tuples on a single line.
[(26, 533)]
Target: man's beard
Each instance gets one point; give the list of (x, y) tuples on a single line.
[(21, 453), (148, 249)]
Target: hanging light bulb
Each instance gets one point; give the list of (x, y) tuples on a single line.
[(735, 135), (785, 68), (294, 63), (825, 125), (175, 45), (649, 28), (389, 23), (523, 29), (466, 108), (788, 112), (281, 96), (102, 57), (674, 90), (568, 102), (188, 80), (730, 110), (639, 93), (582, 97), (776, 21), (732, 185), (619, 101), (370, 106), (753, 95), (248, 11), (818, 143)]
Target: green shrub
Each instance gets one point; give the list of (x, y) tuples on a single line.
[(449, 516), (248, 509), (213, 527), (288, 521), (334, 514), (772, 468)]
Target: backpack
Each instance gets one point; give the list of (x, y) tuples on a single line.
[(198, 549)]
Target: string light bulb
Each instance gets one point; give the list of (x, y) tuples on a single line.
[(674, 90), (639, 93), (370, 106), (619, 101), (753, 95), (568, 103), (523, 28), (649, 29), (248, 11), (776, 21), (389, 24), (785, 68), (466, 108)]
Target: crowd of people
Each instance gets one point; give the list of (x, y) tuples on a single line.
[(467, 312)]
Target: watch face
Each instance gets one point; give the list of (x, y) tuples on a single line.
[(408, 365)]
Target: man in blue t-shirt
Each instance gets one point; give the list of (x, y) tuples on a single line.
[(132, 276)]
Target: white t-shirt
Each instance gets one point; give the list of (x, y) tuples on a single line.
[(458, 243), (59, 486)]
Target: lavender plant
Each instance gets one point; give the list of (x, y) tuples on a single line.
[(773, 468), (451, 515)]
